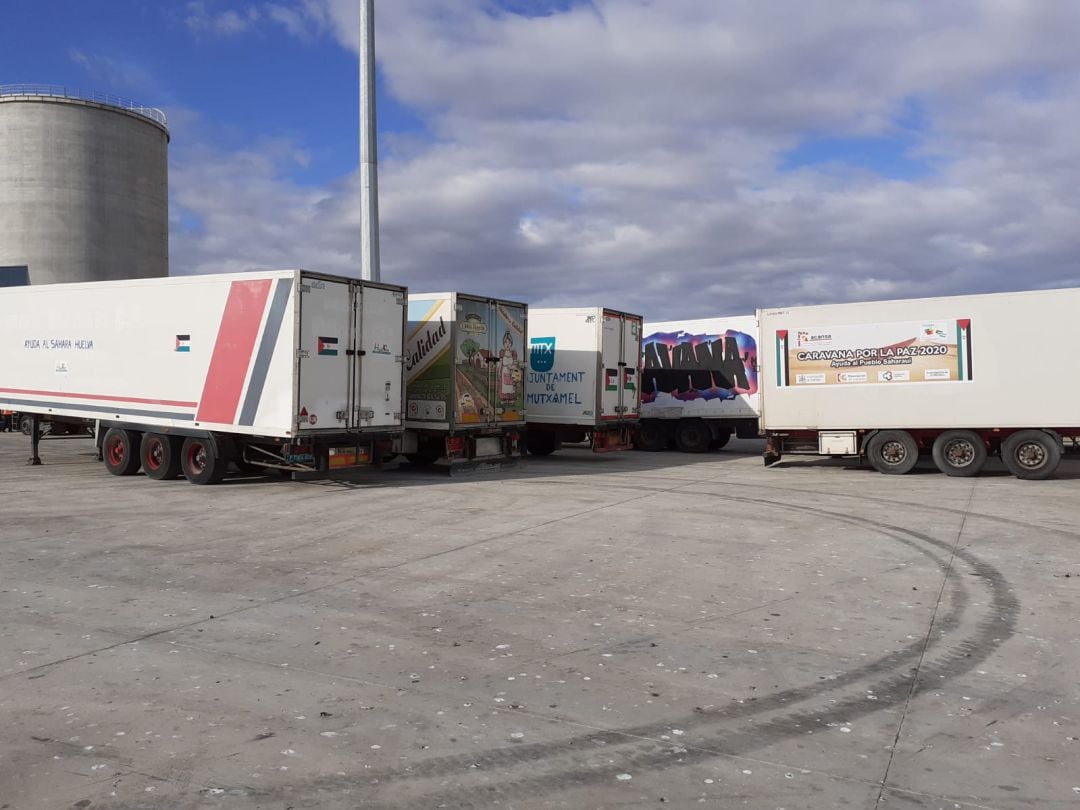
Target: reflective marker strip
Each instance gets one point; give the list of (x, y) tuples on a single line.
[(232, 351), (100, 397), (117, 411)]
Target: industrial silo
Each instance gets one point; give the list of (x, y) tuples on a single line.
[(83, 186)]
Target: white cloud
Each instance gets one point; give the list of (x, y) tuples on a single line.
[(626, 153), (203, 17)]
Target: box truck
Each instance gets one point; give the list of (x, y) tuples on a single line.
[(959, 378), (699, 383), (465, 385), (582, 383), (292, 370)]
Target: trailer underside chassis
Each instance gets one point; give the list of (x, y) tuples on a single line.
[(691, 434), (545, 439), (1027, 453), (205, 457), (456, 451)]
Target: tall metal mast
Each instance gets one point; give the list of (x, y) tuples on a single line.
[(369, 159)]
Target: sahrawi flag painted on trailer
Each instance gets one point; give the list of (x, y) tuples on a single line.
[(328, 346), (183, 343)]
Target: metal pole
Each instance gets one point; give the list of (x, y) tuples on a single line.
[(369, 160)]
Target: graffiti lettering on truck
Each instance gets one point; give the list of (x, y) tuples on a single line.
[(704, 366)]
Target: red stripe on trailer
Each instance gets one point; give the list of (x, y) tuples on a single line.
[(99, 397), (232, 351)]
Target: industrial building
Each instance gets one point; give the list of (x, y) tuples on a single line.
[(83, 186)]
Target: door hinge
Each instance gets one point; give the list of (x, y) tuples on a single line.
[(302, 354), (364, 413)]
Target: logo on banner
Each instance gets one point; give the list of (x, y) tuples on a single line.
[(328, 346), (542, 353)]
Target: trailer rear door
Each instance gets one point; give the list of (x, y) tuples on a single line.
[(326, 362), (611, 370), (378, 375), (631, 366), (508, 341)]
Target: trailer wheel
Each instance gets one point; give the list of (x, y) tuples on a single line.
[(160, 457), (959, 453), (692, 436), (892, 452), (26, 425), (541, 443), (651, 435), (200, 461), (1031, 454), (120, 451), (722, 437)]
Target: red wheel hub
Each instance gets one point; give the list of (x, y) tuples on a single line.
[(155, 455), (115, 451), (196, 457)]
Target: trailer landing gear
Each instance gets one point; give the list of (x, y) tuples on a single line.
[(35, 440), (772, 451)]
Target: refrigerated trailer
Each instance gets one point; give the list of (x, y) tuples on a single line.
[(960, 379), (582, 382), (699, 383), (465, 391), (289, 370)]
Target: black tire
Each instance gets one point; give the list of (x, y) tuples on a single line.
[(893, 452), (651, 435), (26, 425), (200, 461), (421, 459), (692, 436), (120, 451), (541, 443), (721, 439), (160, 456), (959, 453), (1032, 455)]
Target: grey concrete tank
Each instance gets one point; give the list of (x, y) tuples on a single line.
[(83, 186)]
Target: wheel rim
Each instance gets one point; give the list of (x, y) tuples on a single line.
[(155, 455), (1030, 455), (115, 451), (197, 458), (893, 452), (959, 453)]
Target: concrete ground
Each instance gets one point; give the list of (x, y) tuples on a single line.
[(589, 631)]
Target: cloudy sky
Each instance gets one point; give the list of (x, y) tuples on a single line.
[(672, 157)]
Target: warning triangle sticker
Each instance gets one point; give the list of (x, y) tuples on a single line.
[(303, 411)]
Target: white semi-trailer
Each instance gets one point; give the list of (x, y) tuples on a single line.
[(699, 383), (289, 369), (465, 384), (582, 382), (959, 378)]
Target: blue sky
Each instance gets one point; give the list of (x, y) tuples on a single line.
[(262, 82), (678, 158)]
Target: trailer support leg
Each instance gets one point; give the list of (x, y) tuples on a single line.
[(35, 440), (772, 451)]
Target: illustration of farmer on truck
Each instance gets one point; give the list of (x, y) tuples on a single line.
[(509, 370)]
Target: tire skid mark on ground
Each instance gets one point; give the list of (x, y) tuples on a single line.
[(585, 760)]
